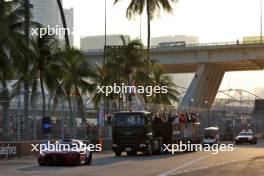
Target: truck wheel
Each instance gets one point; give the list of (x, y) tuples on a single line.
[(118, 154), (132, 153), (160, 149), (149, 151)]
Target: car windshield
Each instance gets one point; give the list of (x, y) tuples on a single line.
[(245, 134), (210, 134), (68, 144), (129, 120)]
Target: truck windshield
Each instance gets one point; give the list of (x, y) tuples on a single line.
[(129, 120)]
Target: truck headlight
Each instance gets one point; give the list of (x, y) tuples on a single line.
[(142, 145)]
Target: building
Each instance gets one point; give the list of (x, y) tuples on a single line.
[(155, 41), (47, 13), (98, 42)]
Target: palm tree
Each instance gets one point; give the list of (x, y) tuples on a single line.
[(120, 63), (47, 68), (63, 19), (153, 8), (11, 40), (104, 75), (157, 77), (77, 79)]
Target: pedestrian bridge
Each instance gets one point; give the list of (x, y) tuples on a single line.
[(208, 61)]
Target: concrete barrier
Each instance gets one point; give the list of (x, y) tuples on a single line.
[(9, 150)]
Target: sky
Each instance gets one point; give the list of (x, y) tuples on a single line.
[(210, 20)]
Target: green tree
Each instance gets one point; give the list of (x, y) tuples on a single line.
[(78, 77), (153, 7), (121, 62), (157, 77), (11, 39), (47, 68)]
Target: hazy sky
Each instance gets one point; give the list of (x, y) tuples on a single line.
[(210, 20)]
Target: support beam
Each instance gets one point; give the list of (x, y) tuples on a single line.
[(204, 87)]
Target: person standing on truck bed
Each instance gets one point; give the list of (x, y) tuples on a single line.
[(157, 125)]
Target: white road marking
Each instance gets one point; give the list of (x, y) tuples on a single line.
[(183, 166)]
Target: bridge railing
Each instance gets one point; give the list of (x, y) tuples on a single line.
[(242, 43)]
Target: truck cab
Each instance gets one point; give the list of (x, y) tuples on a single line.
[(132, 132)]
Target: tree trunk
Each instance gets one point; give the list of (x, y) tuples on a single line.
[(63, 19), (26, 83), (26, 106), (148, 21), (43, 94), (72, 120), (80, 104)]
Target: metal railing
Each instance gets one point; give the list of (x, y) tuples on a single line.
[(200, 45)]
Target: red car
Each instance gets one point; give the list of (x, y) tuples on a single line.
[(67, 152)]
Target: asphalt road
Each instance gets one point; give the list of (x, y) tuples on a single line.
[(244, 160)]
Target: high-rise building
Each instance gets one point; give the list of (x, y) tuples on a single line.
[(47, 13), (98, 42), (155, 41)]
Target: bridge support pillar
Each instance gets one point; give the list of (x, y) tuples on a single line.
[(204, 87)]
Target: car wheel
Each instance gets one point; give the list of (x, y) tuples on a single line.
[(117, 153), (41, 164), (89, 159), (77, 161)]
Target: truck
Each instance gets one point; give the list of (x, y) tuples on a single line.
[(141, 131)]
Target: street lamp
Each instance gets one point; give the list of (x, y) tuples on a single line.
[(260, 21), (105, 33)]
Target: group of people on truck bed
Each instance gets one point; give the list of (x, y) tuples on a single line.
[(181, 118)]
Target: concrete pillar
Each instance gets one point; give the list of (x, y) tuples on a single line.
[(204, 87)]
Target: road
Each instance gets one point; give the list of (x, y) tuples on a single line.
[(244, 160)]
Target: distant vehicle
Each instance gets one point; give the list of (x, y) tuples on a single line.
[(66, 157), (211, 136), (246, 136), (137, 131), (172, 44)]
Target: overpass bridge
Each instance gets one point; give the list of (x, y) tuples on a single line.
[(208, 61)]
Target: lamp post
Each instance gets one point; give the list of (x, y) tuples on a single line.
[(105, 43), (260, 21)]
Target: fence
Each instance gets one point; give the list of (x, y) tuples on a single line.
[(16, 126)]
